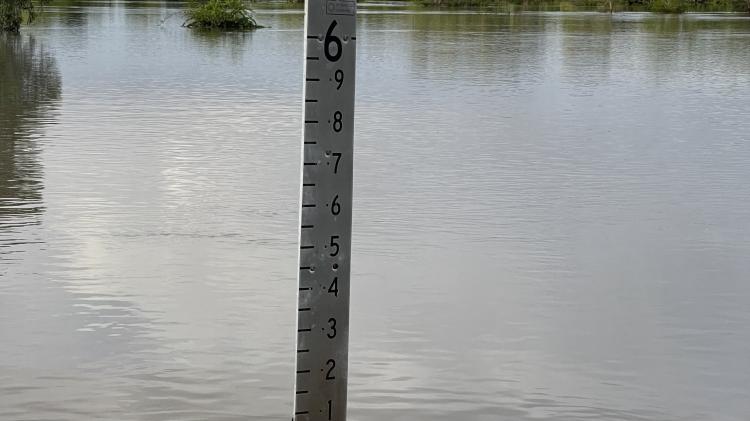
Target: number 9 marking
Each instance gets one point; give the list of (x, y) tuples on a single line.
[(339, 77)]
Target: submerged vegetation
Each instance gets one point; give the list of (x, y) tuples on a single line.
[(219, 14), (15, 12)]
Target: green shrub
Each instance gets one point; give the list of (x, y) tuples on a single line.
[(220, 14), (14, 12), (566, 6), (666, 6)]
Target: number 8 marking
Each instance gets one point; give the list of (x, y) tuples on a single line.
[(337, 123)]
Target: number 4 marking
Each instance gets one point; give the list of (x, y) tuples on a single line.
[(334, 288)]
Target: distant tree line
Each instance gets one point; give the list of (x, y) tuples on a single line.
[(657, 6), (207, 14), (232, 13)]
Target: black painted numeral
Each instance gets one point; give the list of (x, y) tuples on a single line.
[(332, 39), (337, 123), (339, 77), (331, 363), (334, 288), (335, 206), (336, 166), (334, 245), (332, 326)]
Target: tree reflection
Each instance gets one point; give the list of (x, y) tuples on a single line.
[(30, 87)]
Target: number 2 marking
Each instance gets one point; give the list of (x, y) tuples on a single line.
[(332, 363)]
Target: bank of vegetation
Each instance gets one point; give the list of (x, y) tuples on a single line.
[(220, 14), (15, 12), (656, 6), (236, 15), (203, 14)]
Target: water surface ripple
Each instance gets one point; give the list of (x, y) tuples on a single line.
[(552, 217)]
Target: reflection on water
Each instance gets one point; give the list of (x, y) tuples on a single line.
[(29, 94), (552, 218)]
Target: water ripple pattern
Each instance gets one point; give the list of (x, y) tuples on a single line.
[(552, 217)]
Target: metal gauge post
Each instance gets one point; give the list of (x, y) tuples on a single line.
[(326, 211)]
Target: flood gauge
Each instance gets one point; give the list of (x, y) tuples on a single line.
[(326, 211)]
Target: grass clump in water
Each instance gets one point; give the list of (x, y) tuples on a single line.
[(220, 14)]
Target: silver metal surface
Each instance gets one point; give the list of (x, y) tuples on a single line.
[(326, 211)]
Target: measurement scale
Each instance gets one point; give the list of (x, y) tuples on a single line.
[(326, 211)]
